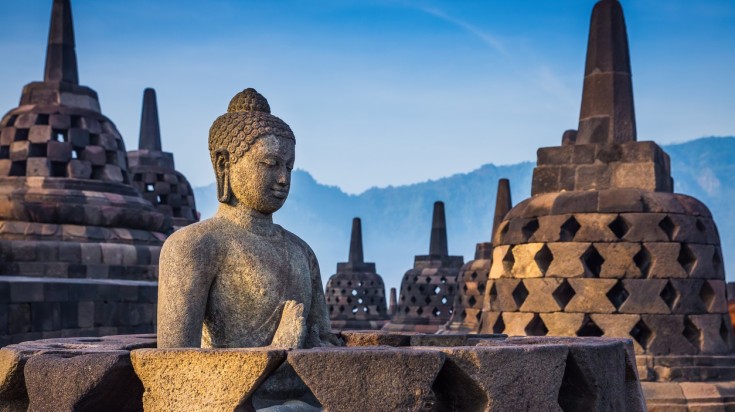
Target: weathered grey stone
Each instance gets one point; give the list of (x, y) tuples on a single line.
[(203, 380), (86, 381), (619, 259), (563, 324), (237, 279), (469, 380), (375, 338), (590, 296), (567, 260), (379, 379)]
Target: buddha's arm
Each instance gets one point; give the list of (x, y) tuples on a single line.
[(320, 329), (183, 287)]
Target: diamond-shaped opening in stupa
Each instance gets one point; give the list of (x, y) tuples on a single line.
[(569, 229)]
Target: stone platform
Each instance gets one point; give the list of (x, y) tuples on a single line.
[(375, 371), (40, 308)]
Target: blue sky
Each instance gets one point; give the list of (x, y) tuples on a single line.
[(383, 92)]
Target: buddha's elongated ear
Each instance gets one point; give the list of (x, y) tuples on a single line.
[(222, 172)]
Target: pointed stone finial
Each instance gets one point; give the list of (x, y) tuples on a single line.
[(61, 59), (608, 113), (438, 245), (503, 204), (393, 302), (356, 256), (150, 130)]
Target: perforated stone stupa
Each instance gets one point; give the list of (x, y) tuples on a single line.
[(428, 290), (68, 211), (473, 276), (604, 248), (356, 294), (153, 173)]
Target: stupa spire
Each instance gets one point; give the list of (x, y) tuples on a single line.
[(607, 114), (61, 59), (503, 204), (356, 256), (438, 245), (150, 130)]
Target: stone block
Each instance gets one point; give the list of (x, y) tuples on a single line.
[(583, 154), (525, 265), (469, 380), (502, 262), (690, 296), (382, 379), (539, 205), (363, 338), (590, 296), (202, 380), (621, 201), (39, 134), (19, 150), (516, 323), (635, 175), (666, 335), (5, 166), (19, 318), (7, 136), (567, 260), (541, 296), (79, 138), (664, 260), (38, 166), (13, 394), (563, 324), (26, 292), (545, 179), (88, 381), (111, 173), (60, 121), (501, 297), (594, 227), (95, 155), (79, 169), (619, 260), (575, 202), (618, 326), (702, 266), (644, 227), (108, 142), (693, 206), (593, 177), (710, 341), (567, 178), (58, 151), (549, 228), (644, 296), (556, 155)]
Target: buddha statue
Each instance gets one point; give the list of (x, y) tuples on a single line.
[(238, 279)]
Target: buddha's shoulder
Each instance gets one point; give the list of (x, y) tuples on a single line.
[(298, 242), (197, 236)]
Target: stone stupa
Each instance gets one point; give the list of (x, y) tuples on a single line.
[(153, 173), (356, 293), (427, 291), (79, 245), (605, 248), (473, 276)]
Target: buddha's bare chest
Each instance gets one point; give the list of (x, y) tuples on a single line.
[(258, 276)]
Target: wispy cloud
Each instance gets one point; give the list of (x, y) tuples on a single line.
[(483, 36)]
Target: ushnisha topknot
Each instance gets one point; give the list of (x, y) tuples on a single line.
[(248, 118)]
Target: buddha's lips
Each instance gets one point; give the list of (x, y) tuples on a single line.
[(280, 193)]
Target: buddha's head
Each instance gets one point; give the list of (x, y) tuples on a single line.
[(252, 153)]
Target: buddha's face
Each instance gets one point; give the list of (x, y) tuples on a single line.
[(261, 179)]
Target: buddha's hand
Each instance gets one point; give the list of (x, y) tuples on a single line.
[(291, 331)]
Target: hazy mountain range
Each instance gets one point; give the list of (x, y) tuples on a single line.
[(397, 220)]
